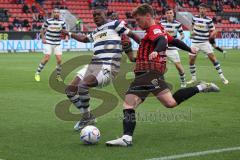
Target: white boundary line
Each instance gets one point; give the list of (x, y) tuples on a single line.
[(195, 154)]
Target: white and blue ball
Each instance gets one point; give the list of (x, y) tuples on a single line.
[(90, 135)]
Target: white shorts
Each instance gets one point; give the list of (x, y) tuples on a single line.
[(173, 56), (103, 73), (55, 49), (206, 47)]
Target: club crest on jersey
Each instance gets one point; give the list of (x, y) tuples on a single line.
[(101, 35), (157, 31)]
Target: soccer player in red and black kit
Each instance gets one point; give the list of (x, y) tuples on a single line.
[(149, 75)]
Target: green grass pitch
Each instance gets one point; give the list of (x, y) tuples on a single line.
[(29, 128)]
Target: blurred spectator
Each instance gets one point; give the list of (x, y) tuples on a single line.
[(19, 1), (16, 22), (100, 3), (219, 6), (25, 9), (90, 4), (56, 4), (79, 25), (25, 23), (179, 2), (40, 2), (34, 26), (40, 18), (35, 17), (34, 9), (234, 20), (10, 27), (2, 28), (4, 15)]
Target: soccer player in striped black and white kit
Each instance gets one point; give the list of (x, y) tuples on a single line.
[(173, 27), (203, 29), (51, 38), (105, 63)]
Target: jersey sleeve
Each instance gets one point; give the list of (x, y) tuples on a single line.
[(45, 24), (180, 29), (90, 37), (120, 27), (211, 26), (64, 26)]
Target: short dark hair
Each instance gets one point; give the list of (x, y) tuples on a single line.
[(167, 9), (99, 8), (143, 10), (203, 5)]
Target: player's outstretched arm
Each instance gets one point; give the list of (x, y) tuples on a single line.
[(80, 38), (213, 33), (42, 33), (134, 36), (160, 46), (180, 44)]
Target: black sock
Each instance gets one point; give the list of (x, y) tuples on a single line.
[(219, 49), (129, 121), (185, 93)]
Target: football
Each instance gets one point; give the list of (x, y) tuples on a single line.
[(90, 135)]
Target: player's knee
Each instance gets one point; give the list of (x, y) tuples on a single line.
[(46, 58), (170, 104), (59, 62), (71, 91), (128, 106)]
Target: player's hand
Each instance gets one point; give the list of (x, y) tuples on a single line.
[(66, 39), (44, 41), (212, 36), (65, 32), (192, 35), (193, 51), (153, 55)]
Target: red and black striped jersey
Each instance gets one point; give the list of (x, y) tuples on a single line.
[(147, 46)]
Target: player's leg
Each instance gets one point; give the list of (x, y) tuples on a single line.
[(91, 76), (192, 66), (47, 52), (181, 95), (134, 98), (135, 95), (217, 48), (207, 48), (175, 58), (131, 102), (78, 94), (217, 66), (181, 74), (58, 55)]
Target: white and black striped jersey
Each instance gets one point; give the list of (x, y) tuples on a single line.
[(53, 30), (172, 28), (107, 43), (201, 28)]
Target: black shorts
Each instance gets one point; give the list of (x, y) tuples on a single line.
[(212, 41), (148, 82)]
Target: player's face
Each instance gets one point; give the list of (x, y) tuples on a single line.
[(114, 16), (143, 20), (56, 13), (170, 15), (99, 17), (202, 10)]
